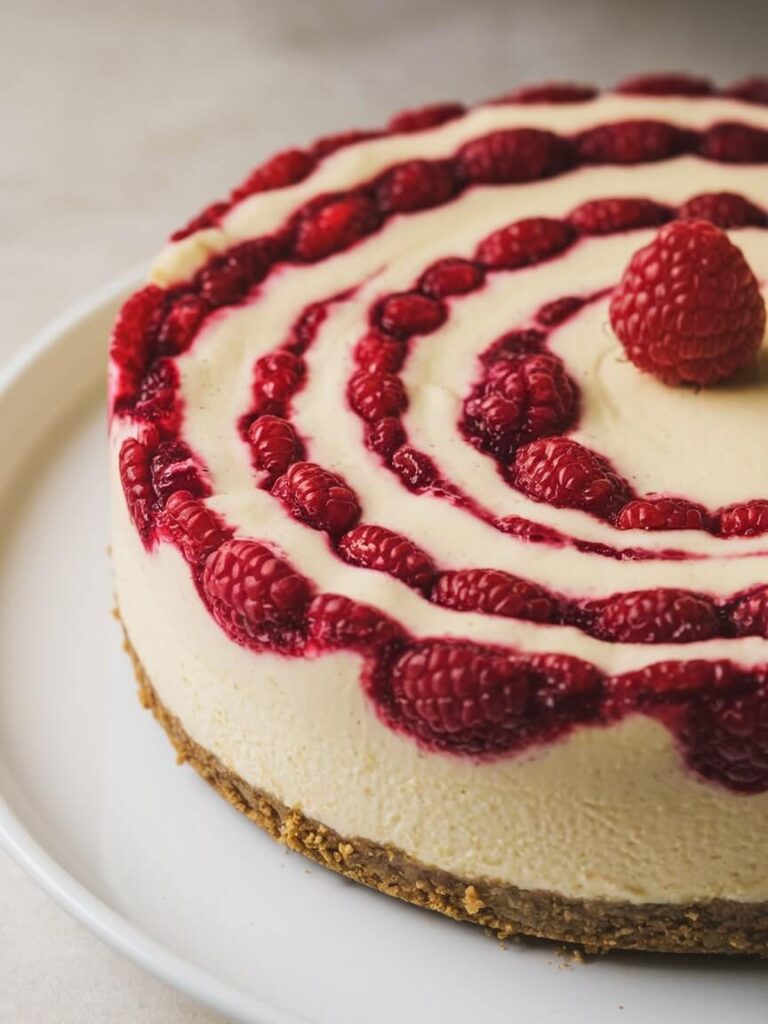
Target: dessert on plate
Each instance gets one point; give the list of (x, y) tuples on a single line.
[(440, 508)]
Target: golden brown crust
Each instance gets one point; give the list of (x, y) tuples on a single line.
[(715, 926)]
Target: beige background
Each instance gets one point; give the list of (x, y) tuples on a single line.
[(120, 119)]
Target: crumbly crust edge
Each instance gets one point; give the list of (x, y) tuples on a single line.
[(596, 926)]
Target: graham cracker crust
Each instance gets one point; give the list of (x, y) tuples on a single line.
[(596, 926)]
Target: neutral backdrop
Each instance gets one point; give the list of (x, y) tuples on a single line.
[(120, 119)]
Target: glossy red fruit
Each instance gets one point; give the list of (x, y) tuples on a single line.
[(564, 473), (174, 468), (274, 444), (735, 143), (749, 615), (751, 90), (132, 336), (654, 617), (425, 117), (328, 144), (283, 169), (512, 156), (609, 216), (375, 547), (405, 314), (525, 243), (157, 398), (377, 353), (385, 436), (136, 478), (414, 468), (415, 185), (551, 92), (181, 324), (317, 497), (665, 84), (514, 343), (744, 519), (668, 683), (662, 514), (256, 597), (207, 218), (726, 740), (277, 376), (376, 395), (328, 225), (338, 622), (451, 276), (493, 592), (688, 308), (196, 529), (724, 209), (633, 142)]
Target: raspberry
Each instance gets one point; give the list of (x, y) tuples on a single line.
[(460, 696), (274, 444), (523, 399), (415, 185), (514, 343), (525, 243), (283, 169), (375, 547), (451, 276), (181, 323), (407, 313), (665, 85), (304, 331), (136, 478), (554, 313), (633, 142), (516, 155), (567, 690), (331, 224), (654, 617), (329, 144), (551, 92), (688, 308), (608, 216), (749, 615), (746, 519), (734, 143), (174, 468), (317, 497), (751, 90), (493, 592), (277, 376), (667, 683), (425, 117), (563, 473), (156, 400), (255, 597), (207, 218), (726, 739), (414, 468), (724, 209), (378, 354), (225, 280), (335, 621), (375, 395), (662, 514), (131, 343), (194, 528), (385, 436)]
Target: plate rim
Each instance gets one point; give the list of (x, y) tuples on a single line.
[(107, 924)]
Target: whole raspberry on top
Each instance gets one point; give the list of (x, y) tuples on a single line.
[(688, 308)]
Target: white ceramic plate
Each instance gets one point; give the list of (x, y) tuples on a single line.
[(93, 806)]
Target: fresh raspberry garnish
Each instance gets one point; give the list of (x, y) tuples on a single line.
[(662, 514), (493, 592), (336, 621), (425, 117), (415, 185), (654, 617), (274, 444), (277, 376), (255, 596), (609, 216), (726, 739), (414, 468), (136, 478), (749, 614), (459, 696), (670, 84), (407, 313), (688, 308), (174, 469), (551, 92), (514, 343), (734, 143), (525, 243), (181, 324), (668, 683), (194, 527), (556, 312), (745, 519), (564, 473), (156, 400), (375, 395), (131, 342), (751, 90), (329, 144), (523, 399), (375, 547), (207, 218), (567, 690), (516, 155), (633, 142), (329, 225), (724, 209), (228, 278), (281, 170), (317, 497), (376, 353), (451, 276), (385, 436)]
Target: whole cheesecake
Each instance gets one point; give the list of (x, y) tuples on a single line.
[(440, 508)]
